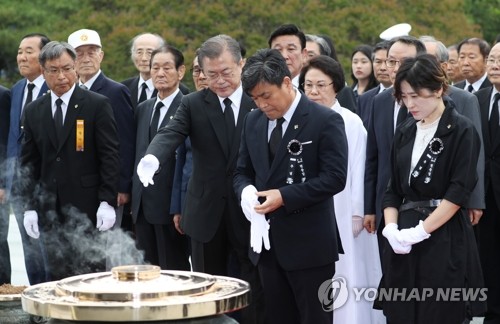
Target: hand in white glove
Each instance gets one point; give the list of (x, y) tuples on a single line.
[(392, 233), (357, 225), (248, 201), (146, 169), (106, 216), (31, 223), (410, 236), (259, 232)]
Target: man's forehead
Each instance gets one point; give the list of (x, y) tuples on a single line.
[(286, 40)]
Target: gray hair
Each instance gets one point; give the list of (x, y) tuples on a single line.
[(441, 50), (215, 46), (54, 50), (323, 45)]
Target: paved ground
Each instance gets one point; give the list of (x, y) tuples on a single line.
[(19, 276)]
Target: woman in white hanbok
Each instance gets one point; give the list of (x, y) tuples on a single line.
[(321, 80)]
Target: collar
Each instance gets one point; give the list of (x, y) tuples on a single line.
[(235, 98), (149, 83), (167, 102), (476, 85), (289, 113), (337, 107), (38, 82), (65, 97), (90, 82)]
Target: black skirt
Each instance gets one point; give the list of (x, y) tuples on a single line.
[(439, 281)]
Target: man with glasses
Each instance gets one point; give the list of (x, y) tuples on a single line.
[(68, 165), (385, 115), (489, 226), (381, 73), (212, 118), (89, 56), (472, 54)]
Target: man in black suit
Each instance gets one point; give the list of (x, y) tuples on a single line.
[(381, 73), (472, 55), (155, 230), (68, 164), (489, 226), (5, 268), (212, 118), (89, 55), (383, 121), (141, 86), (293, 159)]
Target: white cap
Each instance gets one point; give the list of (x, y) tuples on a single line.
[(396, 31), (84, 37)]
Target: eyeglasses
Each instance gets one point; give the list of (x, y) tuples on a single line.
[(196, 71), (308, 86), (64, 70), (392, 62), (224, 75), (492, 61)]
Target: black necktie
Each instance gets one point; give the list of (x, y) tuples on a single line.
[(402, 114), (229, 118), (29, 96), (494, 119), (143, 96), (275, 139), (58, 118), (470, 88), (153, 127)]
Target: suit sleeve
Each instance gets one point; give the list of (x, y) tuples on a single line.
[(175, 204), (4, 132), (244, 173), (107, 147), (371, 166)]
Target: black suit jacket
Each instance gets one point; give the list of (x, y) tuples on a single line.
[(491, 148), (4, 130), (347, 99), (119, 97), (55, 170), (154, 200), (378, 151), (133, 85), (461, 85), (210, 187), (304, 231), (365, 104)]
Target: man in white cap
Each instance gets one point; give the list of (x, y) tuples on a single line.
[(89, 55)]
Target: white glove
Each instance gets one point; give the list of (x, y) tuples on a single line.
[(410, 236), (106, 216), (146, 169), (248, 201), (357, 225), (259, 232), (31, 223), (392, 234)]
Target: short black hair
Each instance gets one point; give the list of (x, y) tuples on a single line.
[(484, 47), (44, 40), (288, 29), (328, 66), (178, 56), (267, 65), (409, 40)]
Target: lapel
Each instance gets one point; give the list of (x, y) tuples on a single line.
[(295, 126), (172, 109), (98, 83), (216, 118), (75, 105), (134, 94)]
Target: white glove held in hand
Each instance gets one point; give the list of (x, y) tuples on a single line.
[(410, 236), (31, 223), (106, 216), (248, 201), (357, 225), (146, 169), (259, 232), (392, 234)]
